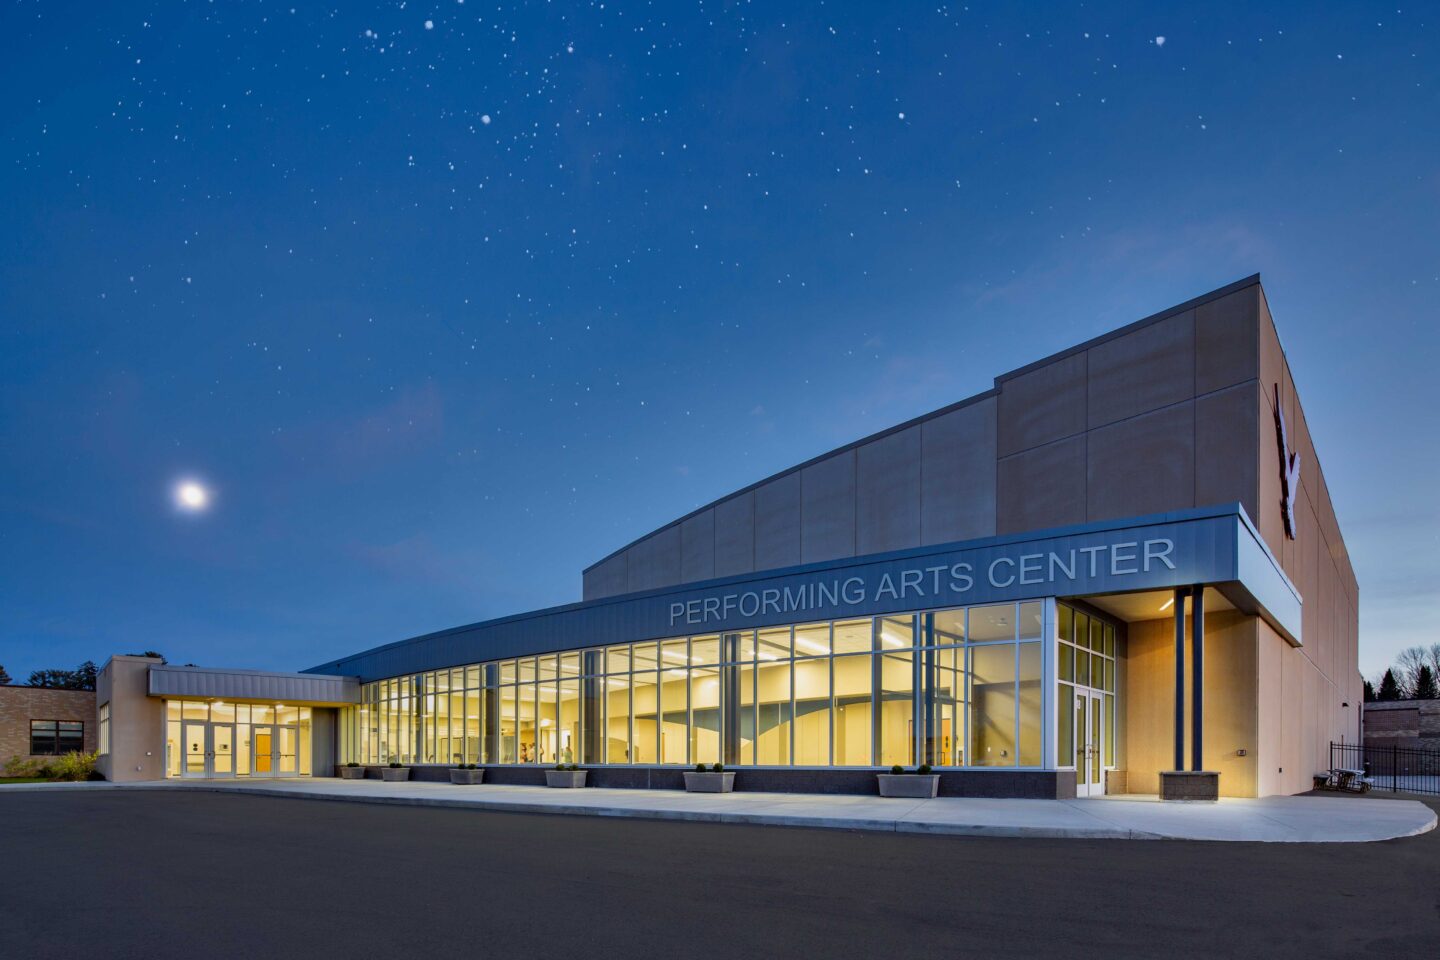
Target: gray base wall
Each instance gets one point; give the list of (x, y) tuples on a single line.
[(1007, 784)]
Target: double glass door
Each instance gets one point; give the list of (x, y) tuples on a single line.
[(1089, 743), (209, 750)]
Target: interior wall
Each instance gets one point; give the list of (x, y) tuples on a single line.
[(1230, 705)]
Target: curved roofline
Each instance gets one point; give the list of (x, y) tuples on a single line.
[(1165, 314)]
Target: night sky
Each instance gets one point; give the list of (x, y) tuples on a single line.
[(443, 301)]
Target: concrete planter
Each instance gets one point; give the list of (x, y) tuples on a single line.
[(912, 786), (1189, 785), (351, 773), (565, 778), (394, 774), (697, 782), (470, 777)]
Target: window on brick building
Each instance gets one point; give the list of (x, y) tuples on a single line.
[(52, 738)]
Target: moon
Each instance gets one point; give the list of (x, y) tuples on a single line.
[(191, 496)]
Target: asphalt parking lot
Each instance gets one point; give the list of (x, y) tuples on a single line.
[(112, 874)]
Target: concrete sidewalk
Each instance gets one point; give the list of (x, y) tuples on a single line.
[(1313, 819)]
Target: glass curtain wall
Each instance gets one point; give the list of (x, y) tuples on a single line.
[(954, 688)]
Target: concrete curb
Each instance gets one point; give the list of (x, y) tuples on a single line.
[(1279, 822)]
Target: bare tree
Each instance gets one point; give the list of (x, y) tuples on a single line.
[(1434, 655), (1407, 668)]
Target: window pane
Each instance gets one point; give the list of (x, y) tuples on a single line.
[(222, 712), (773, 721), (812, 640), (949, 628), (1082, 667), (617, 717), (509, 744), (897, 708), (853, 683), (1067, 622), (570, 665), (896, 633), (545, 668), (674, 713), (647, 720), (1109, 640), (1097, 635), (542, 735), (42, 738), (1030, 705), (435, 734), (473, 725), (705, 715), (1065, 735), (673, 653), (194, 710), (812, 712), (744, 724), (740, 647), (1082, 630), (853, 636), (1032, 620), (617, 660), (645, 656), (173, 752), (992, 705), (527, 670), (774, 644), (705, 650), (946, 697), (1067, 662), (508, 671), (568, 721), (71, 738), (995, 622), (1109, 730)]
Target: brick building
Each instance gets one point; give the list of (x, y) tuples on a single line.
[(1412, 724), (43, 722)]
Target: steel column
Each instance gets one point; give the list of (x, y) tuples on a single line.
[(1197, 682), (1180, 594)]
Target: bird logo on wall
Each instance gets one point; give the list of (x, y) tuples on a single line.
[(1289, 468)]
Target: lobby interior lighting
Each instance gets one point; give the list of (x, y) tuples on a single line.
[(1167, 604)]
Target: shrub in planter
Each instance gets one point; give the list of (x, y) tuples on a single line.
[(395, 773), (352, 771), (467, 774), (566, 775), (920, 785), (712, 779)]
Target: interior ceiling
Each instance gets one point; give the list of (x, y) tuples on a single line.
[(1151, 604)]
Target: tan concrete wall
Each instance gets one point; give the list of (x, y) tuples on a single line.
[(20, 705), (1312, 694), (1231, 695), (137, 722)]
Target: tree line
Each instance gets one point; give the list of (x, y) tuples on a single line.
[(80, 678), (1415, 675)]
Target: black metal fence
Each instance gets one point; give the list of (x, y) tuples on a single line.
[(1400, 769)]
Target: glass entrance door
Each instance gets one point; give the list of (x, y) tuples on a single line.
[(222, 750), (1089, 744), (195, 762)]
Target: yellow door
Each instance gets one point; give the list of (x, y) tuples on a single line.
[(264, 764)]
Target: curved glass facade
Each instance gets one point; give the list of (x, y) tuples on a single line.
[(960, 687)]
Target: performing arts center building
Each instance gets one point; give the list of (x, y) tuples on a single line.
[(1120, 562)]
